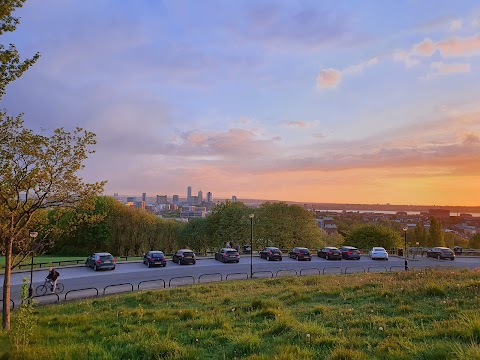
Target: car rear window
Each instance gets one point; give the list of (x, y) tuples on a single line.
[(231, 252), (106, 257), (156, 255), (304, 251), (188, 253), (275, 251)]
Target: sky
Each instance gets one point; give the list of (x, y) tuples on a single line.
[(309, 101)]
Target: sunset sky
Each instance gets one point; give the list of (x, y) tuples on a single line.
[(325, 101)]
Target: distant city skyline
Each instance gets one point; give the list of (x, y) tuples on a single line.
[(290, 100)]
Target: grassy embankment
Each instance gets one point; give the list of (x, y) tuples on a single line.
[(415, 315)]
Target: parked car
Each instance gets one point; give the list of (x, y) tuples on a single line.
[(350, 252), (300, 253), (227, 255), (153, 258), (247, 249), (98, 261), (184, 256), (271, 253), (378, 253), (330, 253), (441, 253)]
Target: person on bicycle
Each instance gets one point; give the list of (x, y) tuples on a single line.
[(53, 277)]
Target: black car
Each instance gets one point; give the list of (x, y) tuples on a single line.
[(227, 255), (247, 249), (184, 256), (330, 253), (350, 252), (300, 253), (441, 253), (271, 253), (98, 261), (153, 258)]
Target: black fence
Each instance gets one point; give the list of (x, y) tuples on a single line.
[(176, 281)]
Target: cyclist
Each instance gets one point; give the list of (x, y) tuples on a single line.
[(53, 277)]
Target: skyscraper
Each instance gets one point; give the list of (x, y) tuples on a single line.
[(144, 197), (234, 198), (209, 197), (175, 199), (189, 195), (200, 197)]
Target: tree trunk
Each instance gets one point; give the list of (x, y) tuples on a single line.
[(6, 284)]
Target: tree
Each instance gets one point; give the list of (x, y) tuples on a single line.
[(287, 226), (474, 242), (229, 222), (368, 236), (11, 67), (436, 236), (36, 172), (420, 235)]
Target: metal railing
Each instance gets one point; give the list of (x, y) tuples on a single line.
[(128, 287)]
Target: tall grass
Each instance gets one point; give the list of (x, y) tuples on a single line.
[(414, 315)]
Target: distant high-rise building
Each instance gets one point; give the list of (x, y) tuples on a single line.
[(144, 197), (115, 196), (175, 199), (200, 197), (234, 198), (189, 195), (131, 199), (209, 197), (161, 199), (194, 200)]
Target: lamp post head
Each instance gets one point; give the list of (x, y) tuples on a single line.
[(251, 216), (405, 228), (33, 234)]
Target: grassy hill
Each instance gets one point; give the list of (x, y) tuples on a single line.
[(413, 315)]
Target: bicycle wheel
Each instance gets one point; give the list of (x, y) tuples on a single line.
[(59, 288), (41, 290)]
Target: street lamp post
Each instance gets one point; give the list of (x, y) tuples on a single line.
[(33, 235), (405, 248), (251, 216)]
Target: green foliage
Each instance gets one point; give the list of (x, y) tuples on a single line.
[(474, 242), (25, 320), (436, 236), (420, 235), (229, 221), (368, 236), (11, 66), (286, 226)]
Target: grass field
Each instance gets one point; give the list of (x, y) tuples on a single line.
[(428, 315)]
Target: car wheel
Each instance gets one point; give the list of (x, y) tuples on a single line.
[(268, 258), (438, 257), (327, 257), (180, 262), (297, 257), (281, 259), (148, 264), (113, 268), (95, 268)]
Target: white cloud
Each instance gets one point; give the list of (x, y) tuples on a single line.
[(456, 24)]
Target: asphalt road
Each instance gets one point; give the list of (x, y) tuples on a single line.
[(134, 273)]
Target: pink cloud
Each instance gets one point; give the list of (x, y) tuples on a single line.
[(447, 69), (329, 78), (460, 46), (425, 48)]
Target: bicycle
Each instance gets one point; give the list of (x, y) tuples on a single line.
[(46, 286)]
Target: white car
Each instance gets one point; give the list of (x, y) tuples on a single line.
[(378, 253)]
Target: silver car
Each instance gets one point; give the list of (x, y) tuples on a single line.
[(378, 253)]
